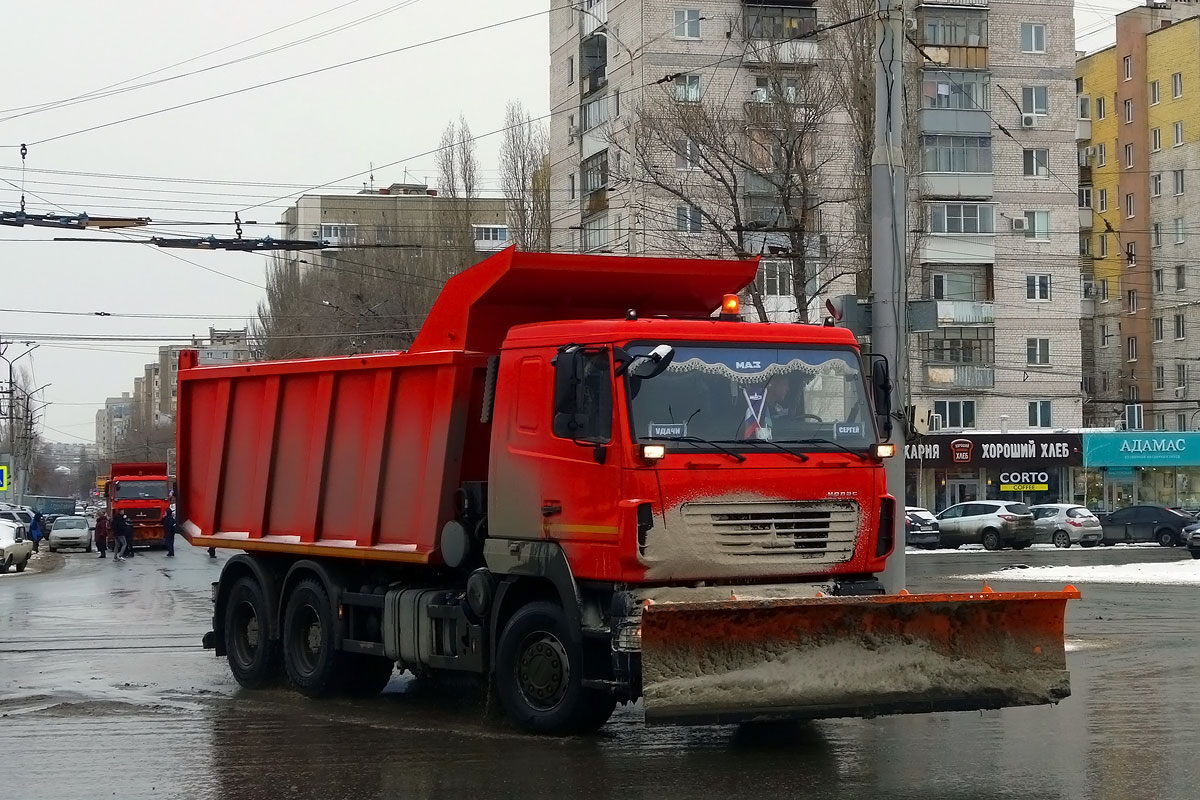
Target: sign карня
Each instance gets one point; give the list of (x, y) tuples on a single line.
[(999, 450)]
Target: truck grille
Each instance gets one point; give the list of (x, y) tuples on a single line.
[(810, 530), (143, 515)]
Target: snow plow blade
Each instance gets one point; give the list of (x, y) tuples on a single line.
[(813, 658)]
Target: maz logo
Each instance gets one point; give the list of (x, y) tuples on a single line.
[(747, 364)]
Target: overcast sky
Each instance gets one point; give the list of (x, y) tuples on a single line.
[(231, 153)]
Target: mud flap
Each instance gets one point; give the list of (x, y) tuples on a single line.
[(811, 658)]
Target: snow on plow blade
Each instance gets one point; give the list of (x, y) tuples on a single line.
[(743, 660)]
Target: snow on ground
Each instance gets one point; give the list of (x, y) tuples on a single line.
[(977, 549), (1178, 573)]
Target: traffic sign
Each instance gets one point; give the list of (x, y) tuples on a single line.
[(3, 477)]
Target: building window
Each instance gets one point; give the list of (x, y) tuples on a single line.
[(1178, 134), (687, 88), (1129, 207), (1131, 304), (1128, 111), (1181, 376), (687, 23), (1101, 155), (1156, 185), (687, 154), (776, 278), (972, 345), (961, 218), (1103, 288), (1102, 200), (1160, 377), (594, 113), (779, 24), (1039, 414), (950, 29), (1178, 221), (967, 91), (1158, 280), (571, 186), (1085, 109), (687, 219), (1131, 254), (1155, 140), (491, 233), (1177, 180), (1177, 85), (1154, 95), (1085, 197), (956, 154), (1180, 278), (595, 172), (595, 234), (1035, 163), (1033, 37), (1037, 287), (1085, 246), (1181, 421), (1035, 100), (1037, 352), (1156, 234), (1099, 108), (1160, 422), (1037, 225), (956, 413), (1104, 380), (1127, 68), (1128, 156), (570, 69), (1180, 330), (1157, 335), (1105, 335), (1132, 393), (1131, 348)]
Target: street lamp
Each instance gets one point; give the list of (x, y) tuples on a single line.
[(12, 385)]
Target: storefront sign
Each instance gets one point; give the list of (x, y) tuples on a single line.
[(1141, 448), (1002, 450)]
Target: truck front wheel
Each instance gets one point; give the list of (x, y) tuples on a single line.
[(253, 655), (539, 675), (313, 665)]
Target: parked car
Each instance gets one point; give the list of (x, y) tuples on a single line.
[(921, 528), (991, 523), (1148, 523), (15, 546), (70, 531), (1065, 524), (20, 517), (1193, 543)]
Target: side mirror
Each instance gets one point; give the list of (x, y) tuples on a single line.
[(653, 363), (881, 395)]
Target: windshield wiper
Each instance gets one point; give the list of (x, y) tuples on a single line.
[(776, 445), (841, 447), (698, 440)]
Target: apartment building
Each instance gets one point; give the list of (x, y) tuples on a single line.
[(112, 421), (223, 346), (1140, 162), (994, 175)]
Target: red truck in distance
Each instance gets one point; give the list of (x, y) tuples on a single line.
[(584, 485), (143, 491)]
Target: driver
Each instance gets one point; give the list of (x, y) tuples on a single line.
[(785, 404)]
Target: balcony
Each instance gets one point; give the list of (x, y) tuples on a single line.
[(959, 121), (1085, 219), (789, 51), (958, 184), (956, 248), (593, 16), (595, 201), (956, 56), (959, 313), (595, 79), (956, 377), (1083, 130)]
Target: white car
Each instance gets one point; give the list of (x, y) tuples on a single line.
[(15, 546), (70, 532)]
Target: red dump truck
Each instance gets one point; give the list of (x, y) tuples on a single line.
[(143, 491), (585, 485)]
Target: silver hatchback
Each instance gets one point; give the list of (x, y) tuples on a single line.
[(1065, 524)]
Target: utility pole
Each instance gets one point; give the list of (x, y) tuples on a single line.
[(889, 323)]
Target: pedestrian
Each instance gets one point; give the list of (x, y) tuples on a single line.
[(212, 552), (35, 530), (124, 535), (102, 534), (168, 523)]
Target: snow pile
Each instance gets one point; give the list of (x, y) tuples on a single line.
[(1178, 573)]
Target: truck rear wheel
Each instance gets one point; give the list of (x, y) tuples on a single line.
[(313, 665), (539, 675), (253, 656)]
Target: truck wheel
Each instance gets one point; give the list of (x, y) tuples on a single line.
[(253, 656), (1165, 537), (991, 540), (539, 675), (313, 666), (364, 676), (1062, 539)]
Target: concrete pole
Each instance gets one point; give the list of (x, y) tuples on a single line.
[(889, 318)]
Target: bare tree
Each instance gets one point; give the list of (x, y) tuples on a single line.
[(523, 167)]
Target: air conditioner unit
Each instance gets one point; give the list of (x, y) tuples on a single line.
[(1180, 392), (910, 23), (1019, 223), (1028, 120)]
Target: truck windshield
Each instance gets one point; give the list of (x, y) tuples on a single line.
[(142, 490), (745, 395)]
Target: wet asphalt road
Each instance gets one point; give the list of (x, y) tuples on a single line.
[(105, 692)]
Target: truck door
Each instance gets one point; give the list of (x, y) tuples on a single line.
[(556, 475)]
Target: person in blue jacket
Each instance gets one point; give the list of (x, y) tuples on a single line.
[(35, 529)]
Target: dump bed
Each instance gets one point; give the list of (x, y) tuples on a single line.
[(354, 456)]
